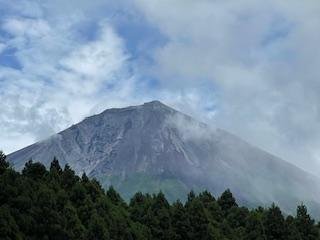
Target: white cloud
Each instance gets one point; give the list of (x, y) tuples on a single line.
[(262, 60), (62, 78), (189, 129), (26, 27), (94, 63), (2, 47), (248, 66)]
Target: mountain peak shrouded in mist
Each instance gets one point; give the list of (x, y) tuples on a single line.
[(153, 147), (155, 103)]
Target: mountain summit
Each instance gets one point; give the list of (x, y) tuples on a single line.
[(153, 147)]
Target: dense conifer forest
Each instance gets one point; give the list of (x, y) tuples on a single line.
[(57, 204)]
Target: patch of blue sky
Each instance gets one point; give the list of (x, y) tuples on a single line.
[(9, 59), (86, 31), (210, 90), (4, 35), (20, 8), (285, 55), (140, 37), (5, 9), (280, 29), (152, 82)]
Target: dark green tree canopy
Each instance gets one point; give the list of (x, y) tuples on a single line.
[(34, 170), (3, 162), (227, 201), (59, 205), (55, 166)]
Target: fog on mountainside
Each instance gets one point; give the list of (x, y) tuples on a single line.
[(153, 147)]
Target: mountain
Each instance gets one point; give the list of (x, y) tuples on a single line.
[(153, 147)]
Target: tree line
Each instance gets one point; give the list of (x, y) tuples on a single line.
[(57, 204)]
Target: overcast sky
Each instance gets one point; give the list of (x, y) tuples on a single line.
[(248, 66)]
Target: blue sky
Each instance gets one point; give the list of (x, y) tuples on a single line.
[(248, 66)]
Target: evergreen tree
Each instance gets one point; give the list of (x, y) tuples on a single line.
[(57, 204), (73, 224), (34, 170), (292, 231), (55, 166), (180, 222), (3, 163), (274, 224), (69, 177), (237, 217), (191, 196), (254, 226), (84, 178), (206, 198), (305, 225), (97, 229), (199, 228), (8, 226), (114, 196), (161, 222), (227, 201), (139, 206)]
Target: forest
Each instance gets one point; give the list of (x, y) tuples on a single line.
[(55, 203)]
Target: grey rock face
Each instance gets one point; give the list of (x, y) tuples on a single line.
[(157, 141)]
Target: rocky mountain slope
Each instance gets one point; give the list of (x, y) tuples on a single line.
[(152, 147)]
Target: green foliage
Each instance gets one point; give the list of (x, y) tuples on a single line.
[(172, 188), (274, 223), (199, 224), (3, 163), (34, 170), (55, 166), (57, 204), (304, 224), (180, 221), (227, 201), (114, 196)]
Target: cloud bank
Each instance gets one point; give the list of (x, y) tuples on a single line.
[(56, 78), (248, 66), (260, 60)]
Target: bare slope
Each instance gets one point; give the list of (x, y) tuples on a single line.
[(152, 147)]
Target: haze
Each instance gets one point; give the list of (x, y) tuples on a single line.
[(250, 67)]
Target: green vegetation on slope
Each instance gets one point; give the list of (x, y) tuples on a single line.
[(172, 188), (57, 204)]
